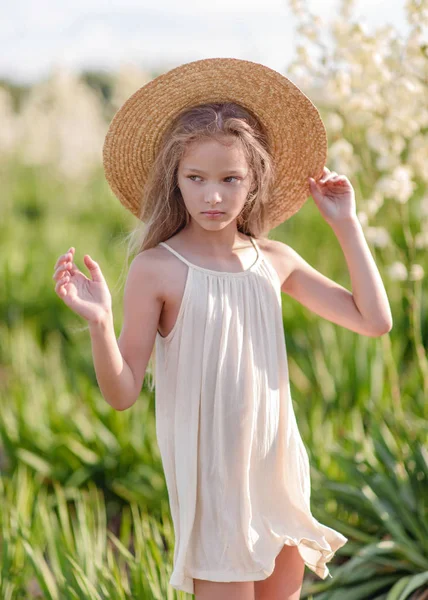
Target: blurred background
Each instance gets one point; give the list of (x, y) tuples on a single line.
[(105, 36), (83, 502)]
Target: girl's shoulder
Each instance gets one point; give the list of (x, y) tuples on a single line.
[(171, 273), (146, 268), (168, 274), (281, 257)]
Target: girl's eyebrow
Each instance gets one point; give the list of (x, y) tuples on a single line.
[(239, 170)]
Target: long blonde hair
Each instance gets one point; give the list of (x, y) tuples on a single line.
[(164, 213)]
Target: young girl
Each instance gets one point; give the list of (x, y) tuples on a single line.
[(211, 156)]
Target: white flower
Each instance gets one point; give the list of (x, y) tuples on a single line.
[(397, 271), (416, 272), (418, 155), (387, 162), (374, 203), (421, 239), (362, 217), (333, 122), (303, 56), (342, 157), (298, 7), (417, 12), (398, 185), (308, 31), (378, 236), (339, 84), (377, 140)]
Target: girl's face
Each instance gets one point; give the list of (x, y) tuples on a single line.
[(212, 176)]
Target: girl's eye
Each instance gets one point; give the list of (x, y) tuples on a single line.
[(231, 177)]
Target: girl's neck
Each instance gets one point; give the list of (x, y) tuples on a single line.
[(213, 242)]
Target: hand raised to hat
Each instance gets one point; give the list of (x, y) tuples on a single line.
[(334, 196)]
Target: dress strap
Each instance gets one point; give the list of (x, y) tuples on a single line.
[(176, 254), (253, 241), (234, 274)]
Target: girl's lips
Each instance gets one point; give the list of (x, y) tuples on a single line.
[(215, 215)]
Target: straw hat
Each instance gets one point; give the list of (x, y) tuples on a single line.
[(296, 134)]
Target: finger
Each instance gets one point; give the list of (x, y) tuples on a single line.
[(326, 178), (65, 268), (65, 257), (94, 268), (338, 178), (314, 185), (59, 288), (59, 272), (72, 267), (68, 267)]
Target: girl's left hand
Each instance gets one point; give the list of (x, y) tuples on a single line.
[(334, 196)]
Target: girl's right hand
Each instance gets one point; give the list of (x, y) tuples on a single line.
[(90, 298)]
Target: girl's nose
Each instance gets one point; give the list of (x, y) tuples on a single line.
[(212, 194)]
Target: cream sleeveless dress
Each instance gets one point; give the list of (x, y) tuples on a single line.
[(235, 466)]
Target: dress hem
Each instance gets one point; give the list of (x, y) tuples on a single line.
[(185, 582)]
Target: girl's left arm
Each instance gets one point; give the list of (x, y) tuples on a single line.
[(366, 310)]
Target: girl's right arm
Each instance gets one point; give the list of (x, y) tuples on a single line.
[(115, 377), (120, 365)]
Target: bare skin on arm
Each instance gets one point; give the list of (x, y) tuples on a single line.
[(366, 309)]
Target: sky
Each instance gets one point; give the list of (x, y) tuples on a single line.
[(95, 34)]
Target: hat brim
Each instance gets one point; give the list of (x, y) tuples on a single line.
[(296, 134)]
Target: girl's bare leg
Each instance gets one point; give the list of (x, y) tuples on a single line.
[(285, 583), (219, 590)]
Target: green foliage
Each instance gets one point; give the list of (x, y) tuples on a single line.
[(380, 503), (61, 545)]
